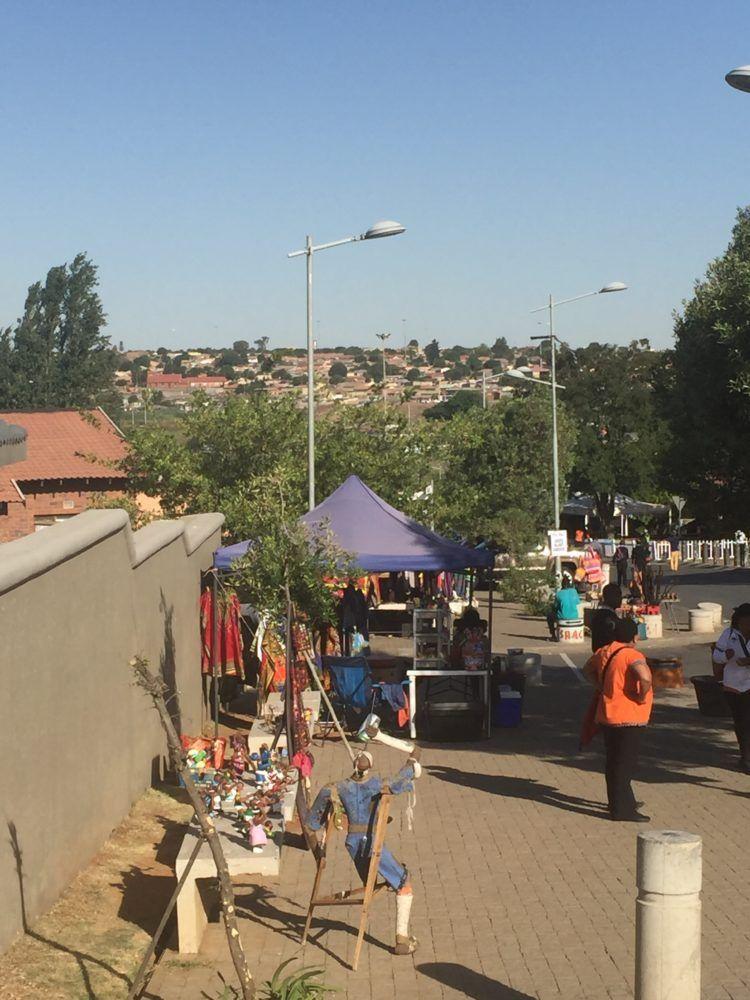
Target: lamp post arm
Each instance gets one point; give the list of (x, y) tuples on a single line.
[(562, 302), (325, 246)]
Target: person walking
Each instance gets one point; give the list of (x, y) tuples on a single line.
[(623, 679), (674, 552), (565, 608), (621, 558), (641, 561), (732, 656), (604, 620)]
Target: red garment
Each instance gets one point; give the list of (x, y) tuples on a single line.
[(226, 660), (402, 716)]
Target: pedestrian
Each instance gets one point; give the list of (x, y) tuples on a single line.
[(741, 539), (641, 560), (604, 620), (621, 558), (623, 679), (731, 653), (565, 608), (674, 552)]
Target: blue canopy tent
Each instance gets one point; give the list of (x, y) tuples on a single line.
[(382, 539)]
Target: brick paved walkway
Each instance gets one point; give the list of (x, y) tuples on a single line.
[(524, 890)]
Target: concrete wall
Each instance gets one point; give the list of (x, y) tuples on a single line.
[(81, 741)]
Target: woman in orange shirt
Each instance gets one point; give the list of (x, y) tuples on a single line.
[(623, 679)]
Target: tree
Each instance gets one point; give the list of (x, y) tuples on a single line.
[(228, 358), (58, 354), (459, 402), (337, 372), (241, 348), (612, 395), (709, 397), (500, 348), (223, 451), (380, 446), (497, 480), (458, 372), (432, 352), (261, 344), (413, 374), (286, 561), (413, 343)]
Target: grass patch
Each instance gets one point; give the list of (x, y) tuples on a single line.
[(90, 944)]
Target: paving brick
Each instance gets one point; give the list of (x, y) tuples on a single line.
[(521, 883)]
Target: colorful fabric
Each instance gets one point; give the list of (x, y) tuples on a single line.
[(226, 659)]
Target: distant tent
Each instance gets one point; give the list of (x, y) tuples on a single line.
[(580, 505)]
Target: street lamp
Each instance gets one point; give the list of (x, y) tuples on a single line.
[(382, 337), (613, 286), (510, 373), (376, 232), (739, 78)]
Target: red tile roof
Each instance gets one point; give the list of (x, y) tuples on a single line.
[(60, 445)]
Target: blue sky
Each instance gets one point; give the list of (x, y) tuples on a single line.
[(528, 147)]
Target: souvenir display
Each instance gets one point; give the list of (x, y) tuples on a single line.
[(249, 788)]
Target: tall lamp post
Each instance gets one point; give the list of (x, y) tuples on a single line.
[(379, 230), (613, 286), (382, 337)]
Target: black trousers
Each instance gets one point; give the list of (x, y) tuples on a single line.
[(739, 705), (622, 574), (621, 746)]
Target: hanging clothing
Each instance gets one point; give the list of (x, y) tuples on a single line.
[(225, 659)]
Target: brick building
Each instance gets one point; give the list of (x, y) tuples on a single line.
[(70, 457)]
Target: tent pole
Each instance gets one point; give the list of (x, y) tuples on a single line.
[(215, 612), (489, 614), (471, 587)]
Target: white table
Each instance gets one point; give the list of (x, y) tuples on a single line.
[(414, 674)]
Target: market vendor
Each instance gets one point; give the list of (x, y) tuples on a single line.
[(565, 608), (358, 797)]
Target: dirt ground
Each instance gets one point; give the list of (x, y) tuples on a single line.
[(90, 944)]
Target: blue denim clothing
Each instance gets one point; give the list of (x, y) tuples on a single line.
[(359, 799)]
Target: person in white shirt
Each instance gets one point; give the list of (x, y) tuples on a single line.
[(732, 652)]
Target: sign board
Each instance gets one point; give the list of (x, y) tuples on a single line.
[(558, 542)]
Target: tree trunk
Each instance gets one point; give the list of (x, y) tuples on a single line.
[(156, 688)]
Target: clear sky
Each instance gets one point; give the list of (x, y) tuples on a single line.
[(528, 146)]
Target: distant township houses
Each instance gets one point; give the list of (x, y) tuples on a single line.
[(409, 376)]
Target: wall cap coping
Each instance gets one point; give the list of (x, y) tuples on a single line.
[(29, 557)]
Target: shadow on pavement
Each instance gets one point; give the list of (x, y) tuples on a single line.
[(678, 746), (470, 983), (519, 788)]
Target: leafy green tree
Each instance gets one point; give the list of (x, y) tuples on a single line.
[(58, 354), (337, 372), (432, 352), (612, 393), (413, 374), (500, 348), (222, 452), (286, 562), (458, 372), (497, 471), (377, 444), (709, 398), (241, 348), (459, 402)]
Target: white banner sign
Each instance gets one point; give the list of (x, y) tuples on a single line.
[(558, 542)]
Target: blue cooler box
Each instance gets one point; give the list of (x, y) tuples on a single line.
[(506, 711)]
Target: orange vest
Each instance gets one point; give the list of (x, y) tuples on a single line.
[(617, 704)]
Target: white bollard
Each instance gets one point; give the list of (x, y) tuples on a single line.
[(668, 916)]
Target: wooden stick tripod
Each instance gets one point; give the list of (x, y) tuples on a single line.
[(363, 895)]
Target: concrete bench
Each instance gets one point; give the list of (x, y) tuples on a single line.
[(192, 913)]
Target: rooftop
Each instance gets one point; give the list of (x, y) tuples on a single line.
[(63, 444)]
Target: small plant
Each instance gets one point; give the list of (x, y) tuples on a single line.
[(530, 587), (300, 985)]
